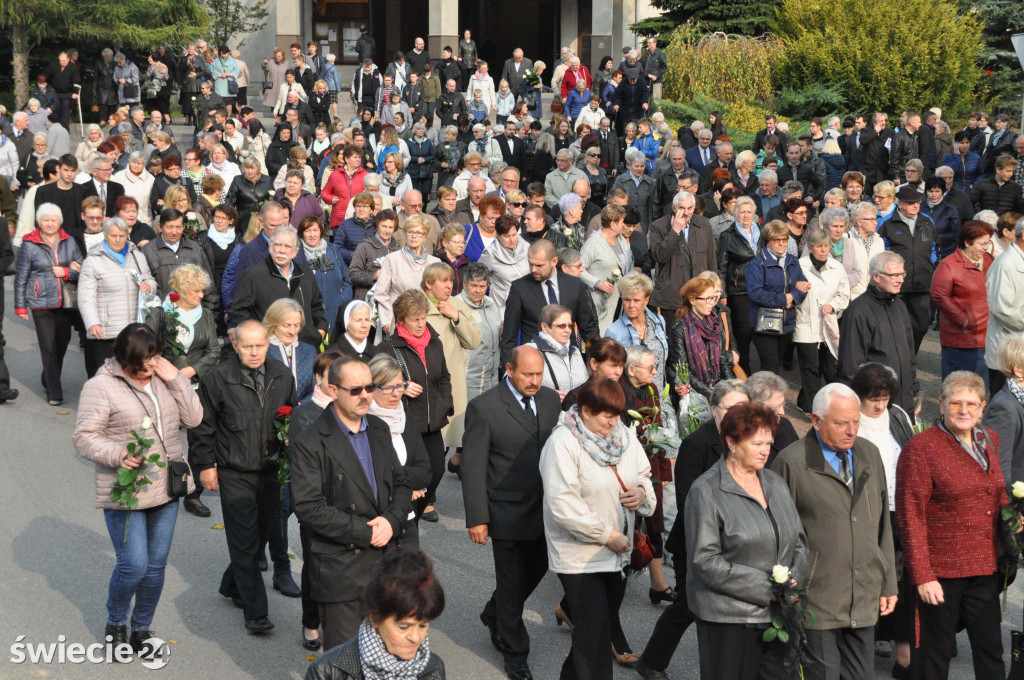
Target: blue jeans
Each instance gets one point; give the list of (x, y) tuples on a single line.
[(960, 359), (141, 561)]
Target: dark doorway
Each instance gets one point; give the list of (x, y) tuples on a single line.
[(500, 27)]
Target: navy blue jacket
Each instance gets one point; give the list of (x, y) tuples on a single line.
[(305, 356), (35, 286), (334, 282), (768, 283), (947, 225), (965, 171), (348, 235)]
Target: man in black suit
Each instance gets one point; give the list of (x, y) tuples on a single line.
[(609, 144), (515, 69), (351, 493), (770, 128), (698, 452), (725, 157), (101, 186), (506, 428), (513, 151), (545, 284)]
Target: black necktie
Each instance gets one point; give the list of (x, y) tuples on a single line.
[(844, 469), (257, 380), (551, 293), (529, 412)]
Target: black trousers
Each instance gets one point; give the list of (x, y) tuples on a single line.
[(5, 375), (518, 567), (971, 603), (249, 500), (434, 442), (740, 305), (841, 654), (772, 349), (64, 104), (53, 333), (817, 368), (733, 651), (310, 609), (919, 306), (591, 598), (277, 539), (671, 625), (96, 352)]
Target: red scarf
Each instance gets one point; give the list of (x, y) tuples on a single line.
[(419, 344)]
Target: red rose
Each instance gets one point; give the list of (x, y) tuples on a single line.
[(284, 411), (988, 73), (174, 297)]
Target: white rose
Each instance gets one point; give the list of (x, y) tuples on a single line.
[(567, 231), (1017, 489), (190, 215), (780, 574), (147, 423)]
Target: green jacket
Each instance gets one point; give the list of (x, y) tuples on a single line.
[(851, 562), (431, 89)]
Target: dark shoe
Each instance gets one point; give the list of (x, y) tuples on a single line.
[(649, 673), (8, 394), (658, 596), (138, 643), (452, 467), (312, 645), (257, 626), (234, 597), (285, 584), (883, 648), (118, 635), (430, 516), (263, 562), (195, 507), (492, 626), (517, 669)]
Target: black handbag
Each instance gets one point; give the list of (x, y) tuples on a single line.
[(130, 91), (1016, 656), (772, 320), (178, 473)]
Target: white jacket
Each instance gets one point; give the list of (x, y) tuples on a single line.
[(486, 86), (137, 187), (562, 372), (108, 294), (1005, 287), (877, 245), (830, 286), (581, 503), (590, 117), (505, 268)]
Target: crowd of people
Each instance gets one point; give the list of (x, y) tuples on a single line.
[(572, 329)]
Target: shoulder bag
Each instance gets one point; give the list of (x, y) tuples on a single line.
[(178, 471), (772, 320), (643, 551)]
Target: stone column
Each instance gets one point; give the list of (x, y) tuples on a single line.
[(601, 43), (569, 29), (444, 27)]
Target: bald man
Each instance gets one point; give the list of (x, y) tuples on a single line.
[(506, 428)]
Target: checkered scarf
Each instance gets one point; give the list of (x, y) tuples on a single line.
[(379, 664)]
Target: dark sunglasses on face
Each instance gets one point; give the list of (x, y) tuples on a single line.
[(356, 391), (518, 204)]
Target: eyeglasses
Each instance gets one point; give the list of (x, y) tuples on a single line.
[(983, 244), (709, 298), (356, 391), (900, 275), (960, 405), (779, 240), (799, 212), (415, 232), (593, 155), (561, 326), (391, 389), (518, 204), (867, 219)]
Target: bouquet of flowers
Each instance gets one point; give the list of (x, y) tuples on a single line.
[(172, 327), (573, 236), (687, 406), (616, 275), (282, 421), (268, 197), (1011, 536), (531, 78), (131, 481), (191, 224), (649, 429), (787, 615)]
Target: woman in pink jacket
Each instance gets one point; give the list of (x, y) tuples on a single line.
[(136, 390)]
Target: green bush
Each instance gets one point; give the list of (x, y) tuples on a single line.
[(806, 103), (884, 56)]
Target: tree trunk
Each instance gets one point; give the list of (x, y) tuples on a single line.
[(21, 51)]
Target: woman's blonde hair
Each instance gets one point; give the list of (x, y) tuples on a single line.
[(187, 278), (174, 194), (254, 227), (399, 163), (278, 310)]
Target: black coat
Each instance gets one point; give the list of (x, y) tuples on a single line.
[(920, 250), (435, 405), (512, 152), (630, 98), (698, 452), (526, 298), (333, 500), (679, 354), (501, 482), (989, 195), (260, 286), (876, 327), (876, 156), (238, 431), (247, 197), (734, 255)]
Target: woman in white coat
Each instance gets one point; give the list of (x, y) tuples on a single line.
[(606, 258), (506, 257), (817, 318), (483, 82), (596, 480)]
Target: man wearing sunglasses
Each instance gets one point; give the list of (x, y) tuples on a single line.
[(228, 450), (506, 428), (352, 495)]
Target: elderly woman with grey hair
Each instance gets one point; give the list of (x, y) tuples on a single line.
[(836, 223), (865, 241), (126, 76), (640, 187), (114, 274), (570, 223), (137, 183), (48, 267), (484, 362), (768, 389)]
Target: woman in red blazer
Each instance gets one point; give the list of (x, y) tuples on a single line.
[(949, 494)]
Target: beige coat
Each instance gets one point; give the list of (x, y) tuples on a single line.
[(456, 340), (398, 273), (112, 405)]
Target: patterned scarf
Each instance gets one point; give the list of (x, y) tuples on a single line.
[(703, 345), (379, 664), (838, 247), (419, 344), (978, 439), (606, 451), (1016, 390)]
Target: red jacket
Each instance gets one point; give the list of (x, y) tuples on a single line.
[(958, 289), (569, 80), (947, 507), (344, 188)]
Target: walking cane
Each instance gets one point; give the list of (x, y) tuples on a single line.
[(81, 122)]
